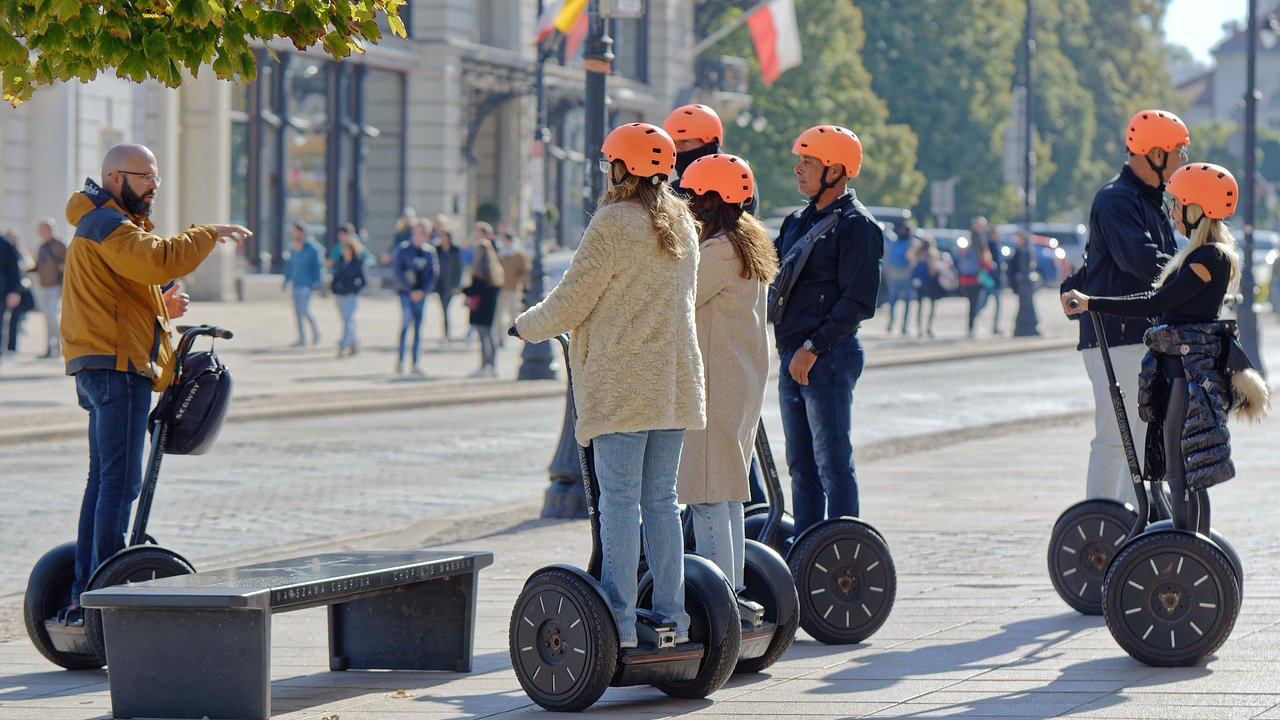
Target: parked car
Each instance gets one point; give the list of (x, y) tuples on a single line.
[(1052, 264), (1071, 237)]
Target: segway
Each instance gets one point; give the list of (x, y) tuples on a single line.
[(563, 641), (80, 645), (842, 570), (1089, 533), (1170, 596)]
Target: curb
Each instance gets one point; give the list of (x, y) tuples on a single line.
[(271, 407)]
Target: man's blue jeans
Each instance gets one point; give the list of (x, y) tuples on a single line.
[(118, 403), (637, 473), (816, 419), (302, 312), (410, 318)]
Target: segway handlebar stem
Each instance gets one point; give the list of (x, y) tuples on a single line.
[(590, 484)]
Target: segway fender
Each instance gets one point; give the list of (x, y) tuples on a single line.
[(583, 574), (128, 551), (1215, 537), (800, 538), (704, 578), (770, 564)]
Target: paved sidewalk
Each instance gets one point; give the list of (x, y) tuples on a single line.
[(276, 380), (977, 630)]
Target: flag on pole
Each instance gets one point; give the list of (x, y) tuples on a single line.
[(776, 35), (559, 16)]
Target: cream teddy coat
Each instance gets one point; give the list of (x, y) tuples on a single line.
[(629, 307), (734, 343)]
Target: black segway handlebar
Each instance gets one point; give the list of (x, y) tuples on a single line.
[(210, 330)]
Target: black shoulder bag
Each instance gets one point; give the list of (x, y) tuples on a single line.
[(792, 265)]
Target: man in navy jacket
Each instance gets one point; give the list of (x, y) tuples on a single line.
[(415, 267), (1130, 240), (817, 336)]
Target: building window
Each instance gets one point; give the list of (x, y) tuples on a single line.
[(318, 143), (630, 47)]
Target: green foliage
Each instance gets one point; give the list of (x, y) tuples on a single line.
[(831, 87), (43, 41)]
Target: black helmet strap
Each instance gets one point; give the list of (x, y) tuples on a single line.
[(827, 185)]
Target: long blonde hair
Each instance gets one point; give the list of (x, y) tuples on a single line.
[(1208, 231), (666, 211)]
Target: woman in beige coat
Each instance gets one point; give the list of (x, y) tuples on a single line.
[(736, 263), (627, 298)]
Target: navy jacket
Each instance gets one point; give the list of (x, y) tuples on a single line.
[(415, 268), (1130, 240), (837, 288)]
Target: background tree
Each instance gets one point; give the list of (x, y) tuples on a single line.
[(831, 87), (44, 41)]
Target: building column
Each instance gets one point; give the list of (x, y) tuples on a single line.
[(205, 178)]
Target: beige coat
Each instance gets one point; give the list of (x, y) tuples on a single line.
[(629, 307), (735, 355)]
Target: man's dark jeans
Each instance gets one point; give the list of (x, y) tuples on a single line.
[(410, 318), (816, 419), (117, 403)]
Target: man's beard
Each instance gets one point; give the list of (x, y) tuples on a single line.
[(133, 203)]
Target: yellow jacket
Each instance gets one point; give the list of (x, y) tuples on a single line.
[(113, 313)]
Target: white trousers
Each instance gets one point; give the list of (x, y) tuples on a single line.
[(1108, 469)]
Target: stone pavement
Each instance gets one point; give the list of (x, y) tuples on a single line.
[(276, 380), (977, 630)]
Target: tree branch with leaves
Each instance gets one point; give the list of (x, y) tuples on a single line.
[(47, 41)]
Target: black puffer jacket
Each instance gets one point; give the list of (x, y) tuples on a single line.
[(1206, 442)]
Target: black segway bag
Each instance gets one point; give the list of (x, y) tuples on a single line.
[(195, 406)]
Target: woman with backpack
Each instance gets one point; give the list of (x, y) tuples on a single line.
[(482, 299), (973, 265), (627, 300), (348, 280)]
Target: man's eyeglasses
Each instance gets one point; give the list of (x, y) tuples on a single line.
[(152, 178)]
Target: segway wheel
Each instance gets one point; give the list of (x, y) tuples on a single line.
[(768, 581), (1084, 539), (129, 567), (845, 579), (48, 591), (563, 642), (706, 593), (1170, 598)]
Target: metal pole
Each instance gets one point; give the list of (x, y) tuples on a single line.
[(565, 496), (1245, 316), (536, 360), (1027, 324)]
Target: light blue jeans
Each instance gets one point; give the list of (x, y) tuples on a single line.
[(637, 473), (720, 537), (347, 306)]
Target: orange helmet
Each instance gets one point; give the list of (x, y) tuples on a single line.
[(1210, 186), (694, 122), (1151, 129), (831, 144), (646, 149), (728, 175)]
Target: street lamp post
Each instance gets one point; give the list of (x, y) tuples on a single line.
[(565, 497), (1027, 324), (1245, 316), (537, 359)]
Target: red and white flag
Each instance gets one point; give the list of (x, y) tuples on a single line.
[(776, 35)]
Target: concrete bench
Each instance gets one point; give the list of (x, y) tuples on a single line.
[(197, 646)]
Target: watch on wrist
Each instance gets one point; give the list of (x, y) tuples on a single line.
[(808, 345)]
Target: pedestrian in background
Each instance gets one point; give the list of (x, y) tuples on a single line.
[(304, 270), (11, 289), (516, 269), (50, 261), (999, 276), (973, 265), (414, 268), (348, 280), (405, 224), (930, 269), (897, 274), (450, 258), (482, 297)]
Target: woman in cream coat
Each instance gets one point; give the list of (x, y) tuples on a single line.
[(627, 298), (736, 263)]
